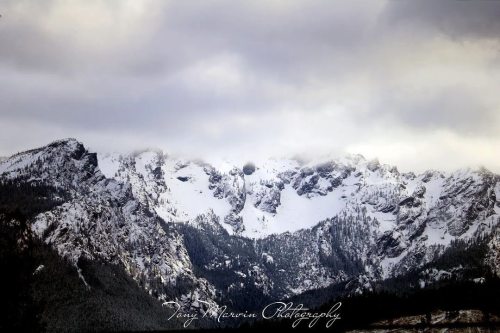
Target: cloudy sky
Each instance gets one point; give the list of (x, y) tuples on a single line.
[(414, 83)]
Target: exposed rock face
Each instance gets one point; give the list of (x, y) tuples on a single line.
[(104, 220), (249, 168), (186, 230)]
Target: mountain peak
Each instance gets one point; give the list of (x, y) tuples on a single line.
[(164, 218), (56, 162)]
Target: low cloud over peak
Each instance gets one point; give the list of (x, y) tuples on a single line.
[(413, 83)]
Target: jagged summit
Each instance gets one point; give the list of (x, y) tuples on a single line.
[(277, 196), (180, 223), (64, 141)]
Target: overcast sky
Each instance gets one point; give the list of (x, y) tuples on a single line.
[(414, 83)]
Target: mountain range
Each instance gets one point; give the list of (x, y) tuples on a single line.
[(244, 235)]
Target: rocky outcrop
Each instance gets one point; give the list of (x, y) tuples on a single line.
[(186, 230)]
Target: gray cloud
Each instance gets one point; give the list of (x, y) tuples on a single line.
[(452, 108), (267, 77), (465, 19)]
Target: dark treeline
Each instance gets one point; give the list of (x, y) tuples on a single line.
[(22, 200), (360, 311), (41, 291), (403, 296), (55, 297)]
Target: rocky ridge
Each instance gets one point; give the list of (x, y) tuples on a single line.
[(187, 230)]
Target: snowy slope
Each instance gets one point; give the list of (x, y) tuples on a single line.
[(279, 228), (102, 220), (411, 215), (280, 196)]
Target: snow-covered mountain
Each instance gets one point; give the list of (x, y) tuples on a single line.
[(189, 230), (407, 213)]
